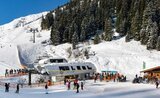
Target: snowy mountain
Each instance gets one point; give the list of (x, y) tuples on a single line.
[(18, 32), (17, 48)]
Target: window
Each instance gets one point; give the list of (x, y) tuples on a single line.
[(78, 68), (56, 60), (63, 68), (52, 60), (89, 68), (83, 67), (60, 61), (72, 68)]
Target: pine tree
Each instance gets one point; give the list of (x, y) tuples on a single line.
[(88, 17), (146, 18), (66, 35), (49, 20), (119, 21), (136, 26), (43, 23), (55, 36), (143, 36), (71, 31), (96, 39), (108, 30), (148, 12), (74, 40), (158, 44), (102, 37), (83, 35), (128, 37), (123, 28), (118, 5), (152, 41)]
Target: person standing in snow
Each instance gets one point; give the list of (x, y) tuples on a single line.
[(46, 87), (77, 88), (82, 85), (69, 85), (17, 90), (95, 78), (6, 73), (157, 83), (75, 83), (6, 87)]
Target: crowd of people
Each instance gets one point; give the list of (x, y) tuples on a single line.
[(76, 84), (79, 85), (15, 72), (109, 77), (146, 79)]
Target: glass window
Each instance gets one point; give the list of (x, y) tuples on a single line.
[(72, 68), (63, 68), (89, 68), (60, 61), (78, 68), (83, 67), (52, 60)]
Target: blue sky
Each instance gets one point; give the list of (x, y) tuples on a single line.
[(11, 9)]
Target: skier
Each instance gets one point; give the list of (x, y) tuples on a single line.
[(77, 88), (157, 83), (46, 87), (17, 90), (75, 83), (82, 85), (6, 87), (6, 73)]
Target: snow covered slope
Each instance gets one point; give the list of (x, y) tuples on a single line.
[(22, 21), (126, 58), (16, 41), (18, 32)]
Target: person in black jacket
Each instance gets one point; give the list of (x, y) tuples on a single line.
[(17, 90), (77, 87), (46, 87), (157, 83), (6, 87), (82, 85)]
